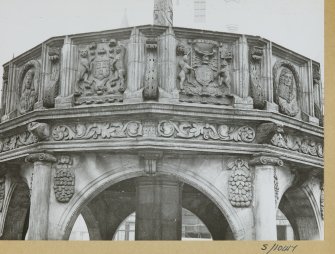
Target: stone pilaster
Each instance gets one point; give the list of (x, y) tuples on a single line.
[(136, 67), (40, 195), (69, 65), (268, 79), (265, 197), (158, 208), (39, 103), (242, 99), (167, 66)]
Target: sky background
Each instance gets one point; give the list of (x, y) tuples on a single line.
[(294, 24)]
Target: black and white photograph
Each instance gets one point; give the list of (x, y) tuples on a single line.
[(183, 120)]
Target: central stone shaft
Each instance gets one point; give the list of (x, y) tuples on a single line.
[(158, 208)]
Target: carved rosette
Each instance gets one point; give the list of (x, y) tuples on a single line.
[(303, 145), (256, 86), (2, 191), (29, 79), (101, 73), (206, 131), (64, 179), (204, 71), (286, 88), (97, 131), (240, 188), (150, 89), (51, 88)]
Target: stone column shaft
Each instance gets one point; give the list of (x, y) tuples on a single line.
[(40, 195), (265, 209), (158, 209)]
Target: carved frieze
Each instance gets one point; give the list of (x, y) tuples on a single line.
[(240, 189), (101, 73), (304, 145), (204, 71), (2, 191), (257, 90), (29, 79), (16, 141), (206, 131), (97, 131), (64, 179), (150, 89), (51, 88), (286, 88)]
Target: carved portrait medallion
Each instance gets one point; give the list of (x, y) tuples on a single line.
[(286, 86)]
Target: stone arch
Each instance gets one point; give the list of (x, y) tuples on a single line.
[(300, 208), (111, 177), (16, 211)]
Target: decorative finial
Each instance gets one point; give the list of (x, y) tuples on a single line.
[(163, 13)]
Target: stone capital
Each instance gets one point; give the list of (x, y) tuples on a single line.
[(42, 157), (150, 161), (266, 160)]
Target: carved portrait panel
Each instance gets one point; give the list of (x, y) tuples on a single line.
[(286, 88), (28, 83)]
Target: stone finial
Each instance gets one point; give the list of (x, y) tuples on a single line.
[(163, 13), (40, 157)]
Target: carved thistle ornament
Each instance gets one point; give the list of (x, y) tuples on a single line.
[(64, 180), (101, 73), (240, 189)]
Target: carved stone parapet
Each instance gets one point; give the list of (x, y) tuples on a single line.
[(64, 179), (242, 103), (150, 159), (266, 160), (43, 157), (40, 130)]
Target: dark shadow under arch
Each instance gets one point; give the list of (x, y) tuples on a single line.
[(296, 205), (17, 215), (104, 213)]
